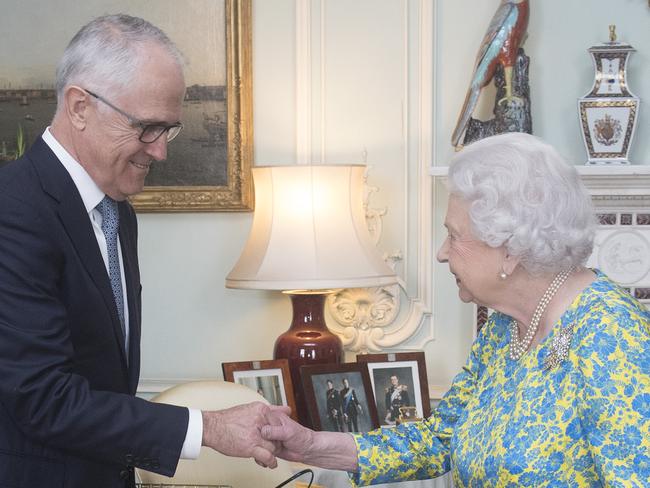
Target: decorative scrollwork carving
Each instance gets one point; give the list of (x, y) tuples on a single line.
[(362, 314)]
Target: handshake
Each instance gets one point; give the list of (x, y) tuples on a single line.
[(263, 432), (266, 432)]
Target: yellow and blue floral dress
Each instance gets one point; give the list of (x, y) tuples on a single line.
[(505, 423)]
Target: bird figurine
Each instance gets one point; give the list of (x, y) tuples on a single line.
[(500, 45)]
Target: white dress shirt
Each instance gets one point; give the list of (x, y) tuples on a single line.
[(91, 195)]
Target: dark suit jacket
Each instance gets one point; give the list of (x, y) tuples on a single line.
[(68, 415)]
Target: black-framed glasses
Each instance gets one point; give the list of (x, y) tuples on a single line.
[(149, 132)]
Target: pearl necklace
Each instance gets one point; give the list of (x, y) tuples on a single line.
[(519, 347)]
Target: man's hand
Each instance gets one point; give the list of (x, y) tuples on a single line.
[(236, 432)]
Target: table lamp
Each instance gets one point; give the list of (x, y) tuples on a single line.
[(309, 237)]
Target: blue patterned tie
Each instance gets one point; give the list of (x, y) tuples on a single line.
[(110, 226)]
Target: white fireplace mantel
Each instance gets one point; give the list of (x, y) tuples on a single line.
[(592, 171), (619, 186)]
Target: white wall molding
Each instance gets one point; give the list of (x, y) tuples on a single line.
[(303, 82), (419, 316), (369, 320)]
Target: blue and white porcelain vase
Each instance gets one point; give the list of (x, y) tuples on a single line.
[(608, 113)]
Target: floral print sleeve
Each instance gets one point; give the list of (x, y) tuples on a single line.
[(418, 450), (581, 422)]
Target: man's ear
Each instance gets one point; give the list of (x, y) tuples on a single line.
[(76, 106)]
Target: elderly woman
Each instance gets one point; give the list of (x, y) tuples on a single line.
[(556, 389)]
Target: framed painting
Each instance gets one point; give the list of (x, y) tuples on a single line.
[(399, 385), (208, 164), (339, 397), (271, 379)]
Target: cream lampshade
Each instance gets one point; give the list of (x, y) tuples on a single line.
[(309, 236), (309, 232)]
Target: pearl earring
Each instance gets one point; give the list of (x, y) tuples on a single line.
[(503, 275)]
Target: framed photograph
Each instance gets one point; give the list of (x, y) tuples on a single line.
[(399, 385), (208, 164), (271, 379), (339, 397)]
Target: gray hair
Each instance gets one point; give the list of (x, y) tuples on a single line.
[(523, 194), (107, 51)]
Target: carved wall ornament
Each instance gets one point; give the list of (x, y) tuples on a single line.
[(625, 256), (622, 245), (373, 215), (361, 315)]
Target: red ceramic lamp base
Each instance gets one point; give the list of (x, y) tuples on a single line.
[(308, 341)]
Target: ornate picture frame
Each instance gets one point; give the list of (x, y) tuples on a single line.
[(208, 166), (270, 378), (404, 399), (232, 137), (334, 406)]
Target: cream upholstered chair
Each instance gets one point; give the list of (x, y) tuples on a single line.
[(212, 467)]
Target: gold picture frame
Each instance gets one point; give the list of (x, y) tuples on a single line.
[(236, 192), (208, 166)]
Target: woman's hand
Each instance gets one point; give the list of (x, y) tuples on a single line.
[(330, 450), (292, 439)]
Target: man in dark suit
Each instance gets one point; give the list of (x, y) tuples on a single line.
[(351, 406), (334, 408), (70, 285)]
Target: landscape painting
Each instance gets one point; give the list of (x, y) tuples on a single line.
[(208, 164)]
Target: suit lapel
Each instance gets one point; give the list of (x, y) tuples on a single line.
[(56, 181)]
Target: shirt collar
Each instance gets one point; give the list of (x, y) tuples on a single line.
[(90, 193)]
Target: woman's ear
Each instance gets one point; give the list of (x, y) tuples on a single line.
[(76, 106), (510, 262)]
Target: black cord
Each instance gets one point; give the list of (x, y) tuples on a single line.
[(298, 475)]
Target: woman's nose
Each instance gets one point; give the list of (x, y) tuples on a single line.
[(443, 252)]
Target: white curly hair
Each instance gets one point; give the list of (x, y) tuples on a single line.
[(522, 194)]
